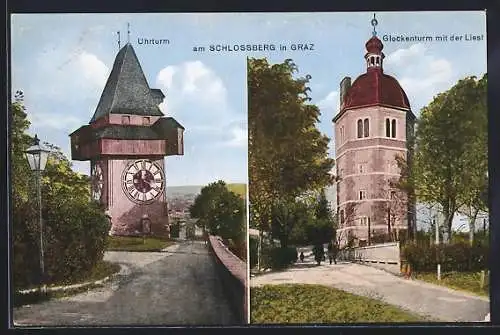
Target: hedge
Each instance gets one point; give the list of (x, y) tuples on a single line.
[(253, 248), (279, 258), (75, 237), (460, 257)]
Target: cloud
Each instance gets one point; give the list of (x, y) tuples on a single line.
[(330, 103), (63, 74), (198, 98), (61, 81), (421, 74), (239, 137), (56, 121)]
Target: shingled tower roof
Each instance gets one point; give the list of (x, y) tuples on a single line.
[(127, 90)]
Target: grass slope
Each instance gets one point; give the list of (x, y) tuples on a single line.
[(100, 271), (240, 189), (294, 303), (462, 281), (126, 243)]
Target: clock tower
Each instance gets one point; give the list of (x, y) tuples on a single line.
[(126, 142)]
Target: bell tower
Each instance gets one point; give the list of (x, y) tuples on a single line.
[(126, 141)]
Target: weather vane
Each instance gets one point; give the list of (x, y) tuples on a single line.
[(118, 39), (374, 24)]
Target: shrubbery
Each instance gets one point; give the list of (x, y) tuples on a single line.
[(453, 257), (253, 248), (75, 228), (278, 258), (174, 230), (74, 239)]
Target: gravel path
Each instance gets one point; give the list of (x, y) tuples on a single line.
[(175, 287), (431, 301)]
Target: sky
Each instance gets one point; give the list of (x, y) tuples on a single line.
[(61, 62)]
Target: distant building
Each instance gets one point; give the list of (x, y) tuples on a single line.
[(372, 127)]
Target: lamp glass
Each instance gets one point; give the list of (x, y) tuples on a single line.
[(33, 160), (37, 157), (44, 154)]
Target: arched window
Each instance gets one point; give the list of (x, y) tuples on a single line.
[(387, 128), (393, 133), (377, 61), (372, 60), (360, 129), (367, 128)]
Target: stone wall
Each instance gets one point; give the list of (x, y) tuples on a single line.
[(233, 274)]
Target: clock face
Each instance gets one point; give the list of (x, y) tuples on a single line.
[(143, 181), (97, 181)]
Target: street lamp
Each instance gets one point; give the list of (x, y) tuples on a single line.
[(37, 158)]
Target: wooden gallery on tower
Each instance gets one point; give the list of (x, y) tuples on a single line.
[(126, 142), (373, 126)]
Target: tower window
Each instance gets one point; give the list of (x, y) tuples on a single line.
[(390, 128), (342, 134), (361, 168), (393, 194), (362, 195), (363, 128), (363, 221), (125, 119)]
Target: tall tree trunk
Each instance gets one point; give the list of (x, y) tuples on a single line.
[(389, 221), (472, 225)]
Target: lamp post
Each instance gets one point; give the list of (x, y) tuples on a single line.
[(37, 158)]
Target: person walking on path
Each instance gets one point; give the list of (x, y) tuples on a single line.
[(319, 253), (335, 250), (330, 252), (302, 256)]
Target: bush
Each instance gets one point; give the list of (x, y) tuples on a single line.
[(459, 257), (74, 238), (279, 258), (253, 248), (174, 230)]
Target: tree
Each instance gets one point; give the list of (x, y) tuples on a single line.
[(395, 209), (220, 211), (325, 224), (450, 144), (287, 153), (287, 214), (475, 196), (75, 228)]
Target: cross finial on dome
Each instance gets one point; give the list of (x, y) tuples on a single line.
[(374, 24)]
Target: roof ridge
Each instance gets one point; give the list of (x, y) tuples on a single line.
[(118, 77)]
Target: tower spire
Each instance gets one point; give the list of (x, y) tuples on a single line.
[(374, 46), (374, 23), (128, 32)]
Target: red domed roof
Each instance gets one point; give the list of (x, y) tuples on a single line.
[(376, 88), (374, 45)]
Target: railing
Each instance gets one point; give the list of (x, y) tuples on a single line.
[(233, 274), (387, 254)]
